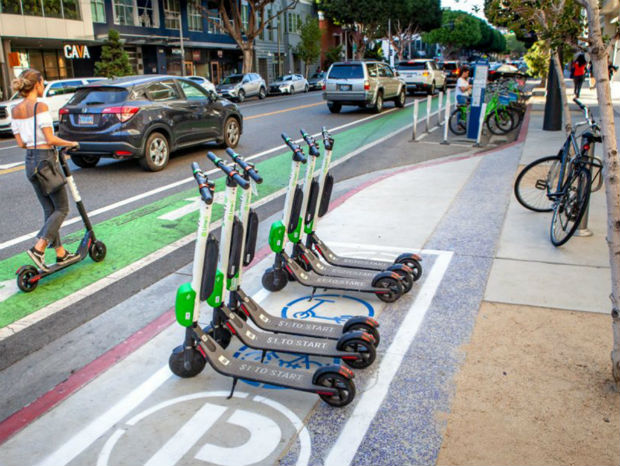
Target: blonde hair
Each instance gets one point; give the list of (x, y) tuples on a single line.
[(26, 81)]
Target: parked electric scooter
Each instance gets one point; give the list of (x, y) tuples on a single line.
[(355, 348), (333, 384), (28, 276), (320, 193), (387, 285), (242, 253)]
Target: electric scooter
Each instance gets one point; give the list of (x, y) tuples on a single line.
[(386, 285), (355, 348), (311, 261), (320, 193), (242, 252), (28, 276), (334, 384)]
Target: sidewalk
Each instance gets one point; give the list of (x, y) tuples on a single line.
[(499, 355)]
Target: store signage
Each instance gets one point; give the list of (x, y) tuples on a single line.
[(196, 55), (175, 51), (220, 53), (76, 52)]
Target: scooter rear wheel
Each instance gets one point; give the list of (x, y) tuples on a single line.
[(97, 251), (274, 279), (365, 350), (23, 279), (176, 362), (407, 279), (415, 266), (393, 287), (345, 387)]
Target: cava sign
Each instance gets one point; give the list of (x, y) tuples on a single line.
[(76, 52)]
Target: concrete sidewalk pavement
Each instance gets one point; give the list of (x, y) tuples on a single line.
[(499, 355)]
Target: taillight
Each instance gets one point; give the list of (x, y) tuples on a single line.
[(457, 71), (63, 111), (366, 85), (122, 113), (323, 86), (586, 147)]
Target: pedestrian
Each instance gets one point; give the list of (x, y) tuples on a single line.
[(579, 73), (591, 72), (33, 129), (463, 88), (611, 68)]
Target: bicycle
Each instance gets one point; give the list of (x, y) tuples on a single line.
[(562, 183)]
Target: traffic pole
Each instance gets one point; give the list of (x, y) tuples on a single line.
[(428, 113), (446, 118), (439, 105), (483, 110), (414, 132)]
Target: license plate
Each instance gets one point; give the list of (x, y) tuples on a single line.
[(344, 87), (86, 119)]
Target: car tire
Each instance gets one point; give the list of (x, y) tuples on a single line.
[(231, 132), (401, 99), (156, 153), (291, 90), (262, 93), (85, 161), (334, 107), (378, 106), (445, 87), (307, 88), (241, 96), (431, 90)]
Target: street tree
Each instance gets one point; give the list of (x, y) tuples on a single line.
[(458, 30), (309, 47), (114, 61), (514, 46), (537, 59), (244, 21)]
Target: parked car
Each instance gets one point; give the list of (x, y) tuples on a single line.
[(56, 94), (422, 75), (204, 82), (240, 86), (451, 70), (316, 81), (501, 71), (146, 117), (289, 84), (362, 83)]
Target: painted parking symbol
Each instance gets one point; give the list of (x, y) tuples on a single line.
[(204, 428)]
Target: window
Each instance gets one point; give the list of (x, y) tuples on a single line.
[(66, 87), (245, 15), (52, 8), (387, 71), (299, 23), (289, 21), (99, 96), (162, 91), (172, 13), (193, 92), (372, 70), (148, 13), (97, 9), (67, 9), (194, 15), (71, 9), (269, 26), (123, 12), (12, 7), (214, 21)]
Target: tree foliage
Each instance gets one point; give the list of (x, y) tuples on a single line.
[(114, 60), (537, 59), (514, 46), (332, 55), (309, 47)]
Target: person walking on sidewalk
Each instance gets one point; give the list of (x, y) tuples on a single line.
[(32, 127), (578, 73), (463, 88)]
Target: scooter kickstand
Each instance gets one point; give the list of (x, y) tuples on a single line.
[(232, 389), (312, 295), (262, 358)]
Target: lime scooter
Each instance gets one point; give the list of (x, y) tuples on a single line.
[(386, 285), (242, 252), (356, 348), (320, 193), (28, 276), (334, 384)]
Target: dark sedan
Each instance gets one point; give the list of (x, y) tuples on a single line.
[(146, 117)]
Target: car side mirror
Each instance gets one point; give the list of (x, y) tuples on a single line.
[(212, 96)]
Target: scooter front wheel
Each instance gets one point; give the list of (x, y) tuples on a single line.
[(368, 329), (24, 278), (274, 279), (414, 265), (345, 387), (97, 251), (176, 362), (393, 289), (366, 353), (407, 279)]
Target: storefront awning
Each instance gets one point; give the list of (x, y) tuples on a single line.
[(208, 45)]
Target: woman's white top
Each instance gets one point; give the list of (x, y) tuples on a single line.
[(461, 84), (25, 128)]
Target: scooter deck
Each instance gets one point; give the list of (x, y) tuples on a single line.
[(283, 343), (224, 363), (321, 268), (349, 262), (270, 323)]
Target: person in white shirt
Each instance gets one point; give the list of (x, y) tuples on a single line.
[(35, 133), (463, 88)]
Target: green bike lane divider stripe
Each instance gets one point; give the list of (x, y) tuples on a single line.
[(136, 234)]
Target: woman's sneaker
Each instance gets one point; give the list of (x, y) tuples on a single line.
[(38, 258), (68, 258)]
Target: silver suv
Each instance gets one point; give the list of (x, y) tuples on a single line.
[(239, 86), (422, 74), (364, 84)]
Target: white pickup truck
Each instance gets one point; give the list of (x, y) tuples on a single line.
[(56, 95), (421, 75)]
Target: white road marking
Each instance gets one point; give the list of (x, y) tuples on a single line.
[(422, 136), (7, 289), (10, 165), (8, 147), (351, 436), (194, 204)]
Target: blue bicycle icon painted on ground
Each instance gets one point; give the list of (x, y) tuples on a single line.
[(323, 302)]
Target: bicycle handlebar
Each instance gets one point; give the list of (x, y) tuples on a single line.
[(313, 147), (204, 187), (298, 154), (232, 174), (248, 168)]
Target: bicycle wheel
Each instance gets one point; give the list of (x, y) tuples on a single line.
[(457, 124), (569, 208), (536, 181), (500, 122)]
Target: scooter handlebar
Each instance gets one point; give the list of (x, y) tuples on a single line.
[(230, 172), (248, 168), (328, 140), (204, 186), (298, 154), (313, 147)]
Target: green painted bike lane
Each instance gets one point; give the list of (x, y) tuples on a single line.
[(136, 234)]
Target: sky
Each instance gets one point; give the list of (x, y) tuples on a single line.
[(465, 5)]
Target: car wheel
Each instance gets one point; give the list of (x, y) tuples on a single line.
[(262, 93), (431, 91), (378, 107), (445, 86), (241, 96), (334, 107), (307, 88), (232, 132), (291, 90), (85, 161), (156, 153), (400, 100)]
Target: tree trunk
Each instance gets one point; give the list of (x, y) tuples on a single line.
[(248, 58), (568, 122), (611, 171)]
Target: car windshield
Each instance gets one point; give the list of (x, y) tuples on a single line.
[(317, 76), (233, 79), (288, 77), (411, 66), (99, 96), (196, 78), (346, 72)]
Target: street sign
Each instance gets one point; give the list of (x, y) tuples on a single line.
[(481, 71)]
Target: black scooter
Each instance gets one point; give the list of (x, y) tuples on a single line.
[(28, 276)]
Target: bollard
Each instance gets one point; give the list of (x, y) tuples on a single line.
[(483, 110), (429, 100), (446, 118), (439, 105), (582, 229), (414, 132)]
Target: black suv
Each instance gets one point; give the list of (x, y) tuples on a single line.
[(146, 117)]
